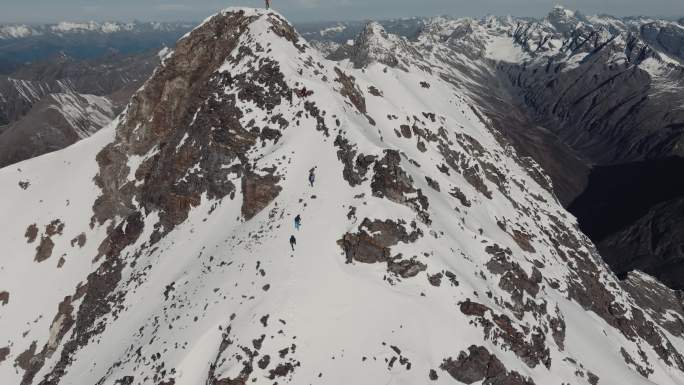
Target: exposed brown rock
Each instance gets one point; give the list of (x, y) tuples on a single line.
[(44, 249), (80, 240), (4, 352), (458, 194), (479, 365), (23, 360), (460, 163), (99, 298), (523, 240), (372, 245), (354, 171), (664, 305), (435, 280), (392, 182), (54, 228), (4, 297), (406, 268), (406, 131), (373, 241), (258, 192), (285, 30), (282, 370), (473, 308), (374, 91), (351, 91), (31, 233), (432, 183)]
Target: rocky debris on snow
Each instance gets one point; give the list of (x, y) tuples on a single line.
[(432, 183), (4, 352), (458, 194), (351, 91), (471, 172), (258, 192), (373, 242), (479, 365), (529, 345), (80, 240), (405, 268), (392, 182), (31, 360), (642, 368), (46, 245), (354, 170), (31, 233), (663, 304), (4, 297), (44, 249)]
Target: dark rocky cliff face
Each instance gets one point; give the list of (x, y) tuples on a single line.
[(634, 213)]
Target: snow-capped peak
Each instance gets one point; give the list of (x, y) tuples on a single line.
[(428, 250), (374, 44)]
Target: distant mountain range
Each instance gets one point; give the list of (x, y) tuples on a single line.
[(20, 44)]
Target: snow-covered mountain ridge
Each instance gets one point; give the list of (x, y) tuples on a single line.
[(19, 31), (156, 251), (576, 93)]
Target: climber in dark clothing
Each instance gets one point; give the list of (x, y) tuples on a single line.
[(293, 242), (312, 176), (298, 222), (268, 4)]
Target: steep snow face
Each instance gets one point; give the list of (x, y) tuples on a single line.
[(429, 251)]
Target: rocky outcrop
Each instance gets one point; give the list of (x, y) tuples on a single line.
[(258, 192), (373, 241), (480, 365), (391, 181), (665, 305)]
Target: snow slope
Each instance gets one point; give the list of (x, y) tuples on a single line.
[(424, 238)]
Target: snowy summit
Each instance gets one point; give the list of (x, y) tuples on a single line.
[(158, 251)]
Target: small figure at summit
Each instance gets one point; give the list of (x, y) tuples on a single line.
[(298, 222), (268, 4)]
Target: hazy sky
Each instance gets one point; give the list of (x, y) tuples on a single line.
[(40, 11)]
